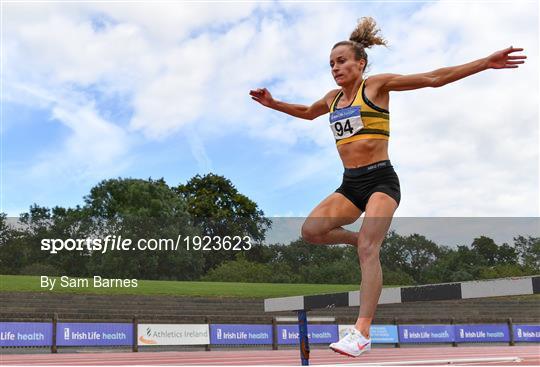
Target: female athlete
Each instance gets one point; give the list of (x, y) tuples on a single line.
[(359, 120)]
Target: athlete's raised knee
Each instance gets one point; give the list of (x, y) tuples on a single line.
[(311, 233)]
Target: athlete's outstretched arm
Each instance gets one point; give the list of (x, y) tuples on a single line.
[(263, 96), (437, 78)]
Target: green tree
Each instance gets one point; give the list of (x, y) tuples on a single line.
[(409, 254), (461, 264), (487, 249), (218, 209), (393, 254), (12, 250), (528, 249), (35, 225), (142, 210), (500, 271), (396, 277), (70, 223), (5, 232), (240, 270), (43, 223), (300, 253), (260, 253), (507, 254)]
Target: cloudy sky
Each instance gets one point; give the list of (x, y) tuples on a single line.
[(92, 91)]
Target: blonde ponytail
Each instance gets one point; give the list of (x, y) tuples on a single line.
[(366, 33)]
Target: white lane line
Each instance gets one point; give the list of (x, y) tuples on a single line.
[(439, 361)]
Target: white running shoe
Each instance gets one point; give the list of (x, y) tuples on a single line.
[(353, 344)]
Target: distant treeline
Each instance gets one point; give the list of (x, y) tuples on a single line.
[(210, 205)]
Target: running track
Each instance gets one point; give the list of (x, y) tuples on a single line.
[(529, 355)]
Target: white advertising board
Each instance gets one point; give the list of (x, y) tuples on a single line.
[(173, 334)]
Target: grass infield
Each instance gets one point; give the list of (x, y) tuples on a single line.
[(27, 283)]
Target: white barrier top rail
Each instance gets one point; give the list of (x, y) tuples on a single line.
[(431, 292)]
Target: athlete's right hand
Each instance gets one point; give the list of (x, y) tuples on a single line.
[(263, 96)]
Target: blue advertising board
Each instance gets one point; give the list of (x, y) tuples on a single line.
[(93, 334), (288, 334), (240, 334), (380, 334), (25, 334), (383, 334), (426, 333), (482, 333), (526, 333)]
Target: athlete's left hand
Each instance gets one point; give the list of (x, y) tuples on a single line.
[(503, 60)]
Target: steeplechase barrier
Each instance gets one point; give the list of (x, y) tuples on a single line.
[(431, 292)]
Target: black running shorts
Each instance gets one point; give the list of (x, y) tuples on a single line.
[(359, 183)]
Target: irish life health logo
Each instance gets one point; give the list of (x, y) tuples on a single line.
[(66, 333)]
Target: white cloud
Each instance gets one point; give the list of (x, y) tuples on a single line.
[(469, 148), (198, 151), (94, 147)]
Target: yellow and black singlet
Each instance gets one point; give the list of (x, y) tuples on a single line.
[(360, 120)]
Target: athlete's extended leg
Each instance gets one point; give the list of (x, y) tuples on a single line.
[(324, 223), (379, 211)]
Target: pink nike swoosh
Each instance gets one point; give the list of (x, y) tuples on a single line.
[(363, 346)]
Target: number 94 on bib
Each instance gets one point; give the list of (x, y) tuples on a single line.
[(346, 122)]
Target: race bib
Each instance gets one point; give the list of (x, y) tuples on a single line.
[(346, 122)]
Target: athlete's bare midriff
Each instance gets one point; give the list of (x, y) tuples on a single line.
[(363, 152)]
